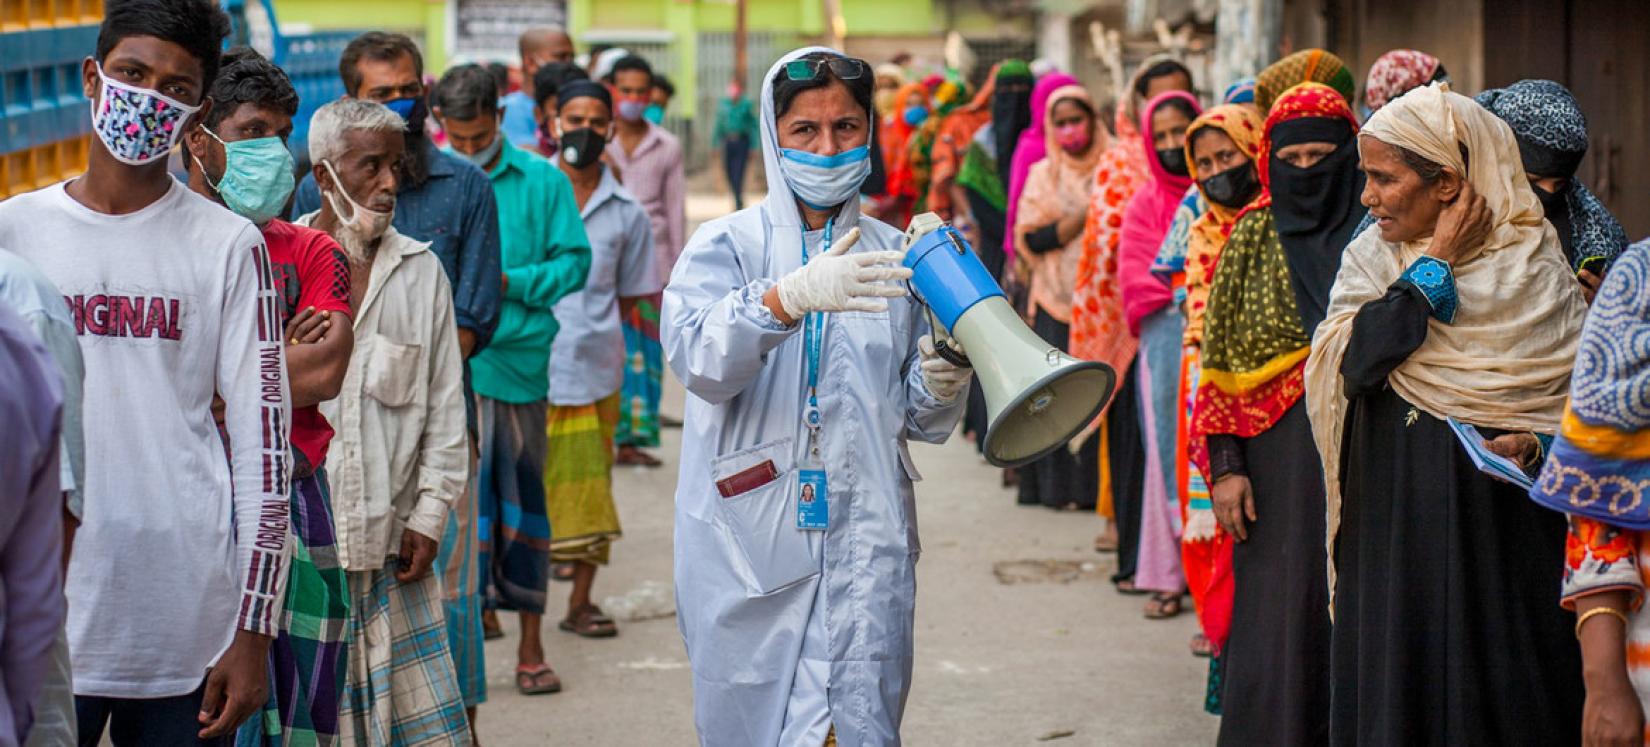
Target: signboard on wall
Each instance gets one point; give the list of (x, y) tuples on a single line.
[(488, 29)]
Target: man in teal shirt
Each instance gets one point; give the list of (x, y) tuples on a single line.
[(545, 256)]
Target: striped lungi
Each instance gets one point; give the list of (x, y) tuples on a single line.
[(644, 372), (511, 497), (578, 480), (459, 562)]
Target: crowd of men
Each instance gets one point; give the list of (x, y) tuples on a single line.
[(389, 394)]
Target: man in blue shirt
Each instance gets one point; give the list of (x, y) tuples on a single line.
[(538, 46), (443, 200)]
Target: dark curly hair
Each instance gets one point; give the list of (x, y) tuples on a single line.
[(199, 26), (245, 77)]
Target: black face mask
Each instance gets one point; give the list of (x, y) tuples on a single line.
[(582, 147), (1232, 188), (1173, 160), (1555, 206), (1551, 202)]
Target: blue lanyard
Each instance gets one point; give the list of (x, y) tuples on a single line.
[(813, 333)]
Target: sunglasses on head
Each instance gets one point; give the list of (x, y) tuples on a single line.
[(844, 68)]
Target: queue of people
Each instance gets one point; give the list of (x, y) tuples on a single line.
[(1324, 304), (392, 395)]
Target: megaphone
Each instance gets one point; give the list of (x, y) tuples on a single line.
[(1037, 397)]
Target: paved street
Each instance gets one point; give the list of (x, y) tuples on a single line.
[(996, 663)]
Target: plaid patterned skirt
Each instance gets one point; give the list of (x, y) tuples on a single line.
[(401, 689), (578, 481), (644, 372), (308, 657)]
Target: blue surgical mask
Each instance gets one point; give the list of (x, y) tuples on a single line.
[(654, 113), (822, 182), (915, 115), (257, 177)]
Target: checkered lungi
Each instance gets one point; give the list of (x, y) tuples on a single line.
[(401, 688)]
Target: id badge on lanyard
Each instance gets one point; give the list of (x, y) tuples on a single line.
[(813, 507)]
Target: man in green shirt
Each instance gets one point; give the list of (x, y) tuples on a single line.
[(545, 255), (736, 133)]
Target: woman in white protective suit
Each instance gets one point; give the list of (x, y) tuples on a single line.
[(807, 364)]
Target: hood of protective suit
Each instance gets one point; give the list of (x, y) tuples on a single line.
[(781, 203)]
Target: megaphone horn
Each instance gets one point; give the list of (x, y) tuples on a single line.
[(1037, 397)]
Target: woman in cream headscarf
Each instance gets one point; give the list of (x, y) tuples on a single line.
[(1460, 306)]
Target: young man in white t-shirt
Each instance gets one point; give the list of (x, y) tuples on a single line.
[(175, 587)]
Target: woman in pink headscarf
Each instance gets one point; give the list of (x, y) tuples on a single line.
[(1159, 326), (1031, 149), (1049, 237)]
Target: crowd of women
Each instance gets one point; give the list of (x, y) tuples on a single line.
[(1329, 305)]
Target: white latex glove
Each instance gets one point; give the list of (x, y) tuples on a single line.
[(944, 379), (838, 281)]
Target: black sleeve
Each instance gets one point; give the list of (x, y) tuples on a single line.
[(1384, 333), (1225, 457), (1045, 239)]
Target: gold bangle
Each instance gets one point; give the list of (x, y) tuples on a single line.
[(1589, 614)]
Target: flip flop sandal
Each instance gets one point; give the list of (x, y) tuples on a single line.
[(1164, 606), (1202, 647), (562, 571), (537, 679), (589, 622)]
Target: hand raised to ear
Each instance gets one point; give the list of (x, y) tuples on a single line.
[(1463, 226)]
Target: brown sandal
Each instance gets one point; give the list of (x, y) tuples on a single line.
[(589, 622), (1164, 605), (537, 679), (632, 456)]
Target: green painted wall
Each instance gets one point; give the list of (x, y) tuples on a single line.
[(884, 18), (423, 20), (426, 21)]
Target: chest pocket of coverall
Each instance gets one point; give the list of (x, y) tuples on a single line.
[(759, 531)]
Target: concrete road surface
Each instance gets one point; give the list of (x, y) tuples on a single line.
[(1056, 652), (997, 663)]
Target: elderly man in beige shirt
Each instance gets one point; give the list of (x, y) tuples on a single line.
[(401, 456)]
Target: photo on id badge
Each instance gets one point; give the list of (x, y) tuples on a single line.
[(812, 508)]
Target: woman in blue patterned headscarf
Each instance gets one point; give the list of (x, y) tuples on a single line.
[(1552, 140), (1598, 471)]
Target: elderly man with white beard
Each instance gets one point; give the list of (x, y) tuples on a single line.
[(401, 455)]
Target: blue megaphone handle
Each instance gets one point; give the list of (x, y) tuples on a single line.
[(946, 275)]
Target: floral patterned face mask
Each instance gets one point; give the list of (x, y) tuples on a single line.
[(137, 125)]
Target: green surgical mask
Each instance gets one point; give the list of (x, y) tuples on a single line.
[(257, 177)]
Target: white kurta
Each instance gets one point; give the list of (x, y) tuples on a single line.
[(792, 631)]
